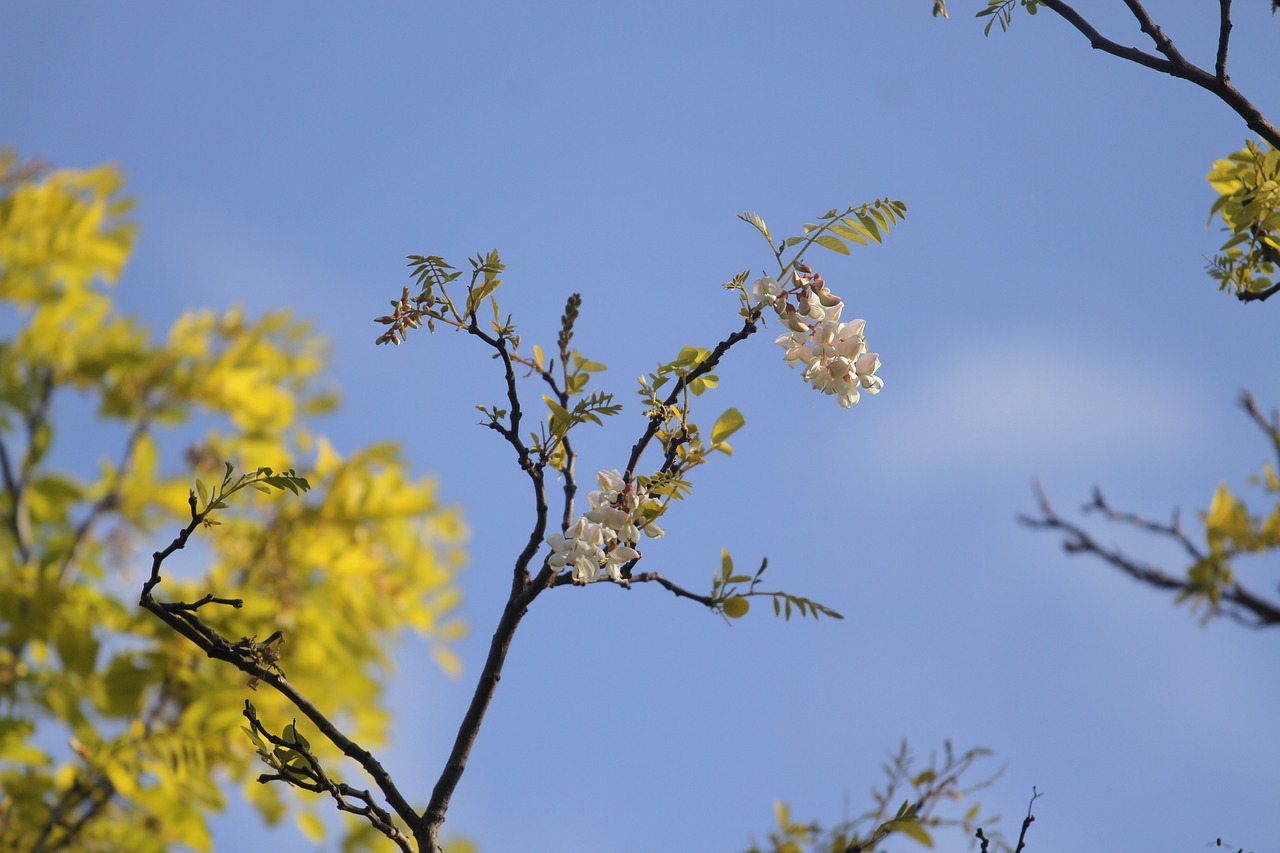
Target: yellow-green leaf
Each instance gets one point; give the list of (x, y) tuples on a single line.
[(726, 425), (311, 826)]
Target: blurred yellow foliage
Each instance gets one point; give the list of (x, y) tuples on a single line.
[(135, 727)]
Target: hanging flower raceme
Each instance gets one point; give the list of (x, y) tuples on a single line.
[(834, 354), (605, 537)]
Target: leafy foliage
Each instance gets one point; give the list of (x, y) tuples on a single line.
[(835, 229), (1248, 187), (929, 792), (731, 599), (1001, 12), (1232, 531), (114, 731)]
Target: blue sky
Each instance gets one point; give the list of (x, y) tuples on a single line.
[(1043, 312)]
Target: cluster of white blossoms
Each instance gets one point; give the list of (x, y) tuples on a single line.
[(834, 354), (605, 538)]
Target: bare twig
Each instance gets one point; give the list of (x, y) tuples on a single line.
[(1173, 529), (1027, 821), (651, 577), (1224, 36), (1237, 602), (1270, 427)]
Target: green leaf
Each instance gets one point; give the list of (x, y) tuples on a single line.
[(849, 234), (735, 607), (835, 244), (726, 564), (913, 829), (559, 417), (870, 224), (757, 222), (311, 826)]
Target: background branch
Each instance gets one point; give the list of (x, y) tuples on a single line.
[(1239, 603)]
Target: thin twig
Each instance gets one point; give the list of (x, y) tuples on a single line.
[(1173, 529), (1224, 36), (1270, 427), (1027, 821)]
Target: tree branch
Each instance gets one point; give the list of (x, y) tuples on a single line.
[(1259, 295), (749, 328), (427, 831), (565, 579), (1173, 529), (1270, 427), (248, 658), (1174, 63), (1224, 36), (1244, 607)]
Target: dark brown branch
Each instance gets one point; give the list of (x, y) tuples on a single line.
[(566, 579), (313, 778), (680, 592), (1163, 43), (523, 592), (427, 832), (1100, 42), (247, 659), (1224, 36), (1027, 821), (1258, 295), (1174, 63)]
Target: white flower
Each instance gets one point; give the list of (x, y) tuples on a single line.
[(834, 354), (580, 546), (616, 558), (867, 365), (611, 480), (605, 536), (766, 291)]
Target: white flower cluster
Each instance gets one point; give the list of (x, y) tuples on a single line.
[(606, 536), (834, 354)]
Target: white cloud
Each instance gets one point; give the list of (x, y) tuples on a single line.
[(1019, 401)]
